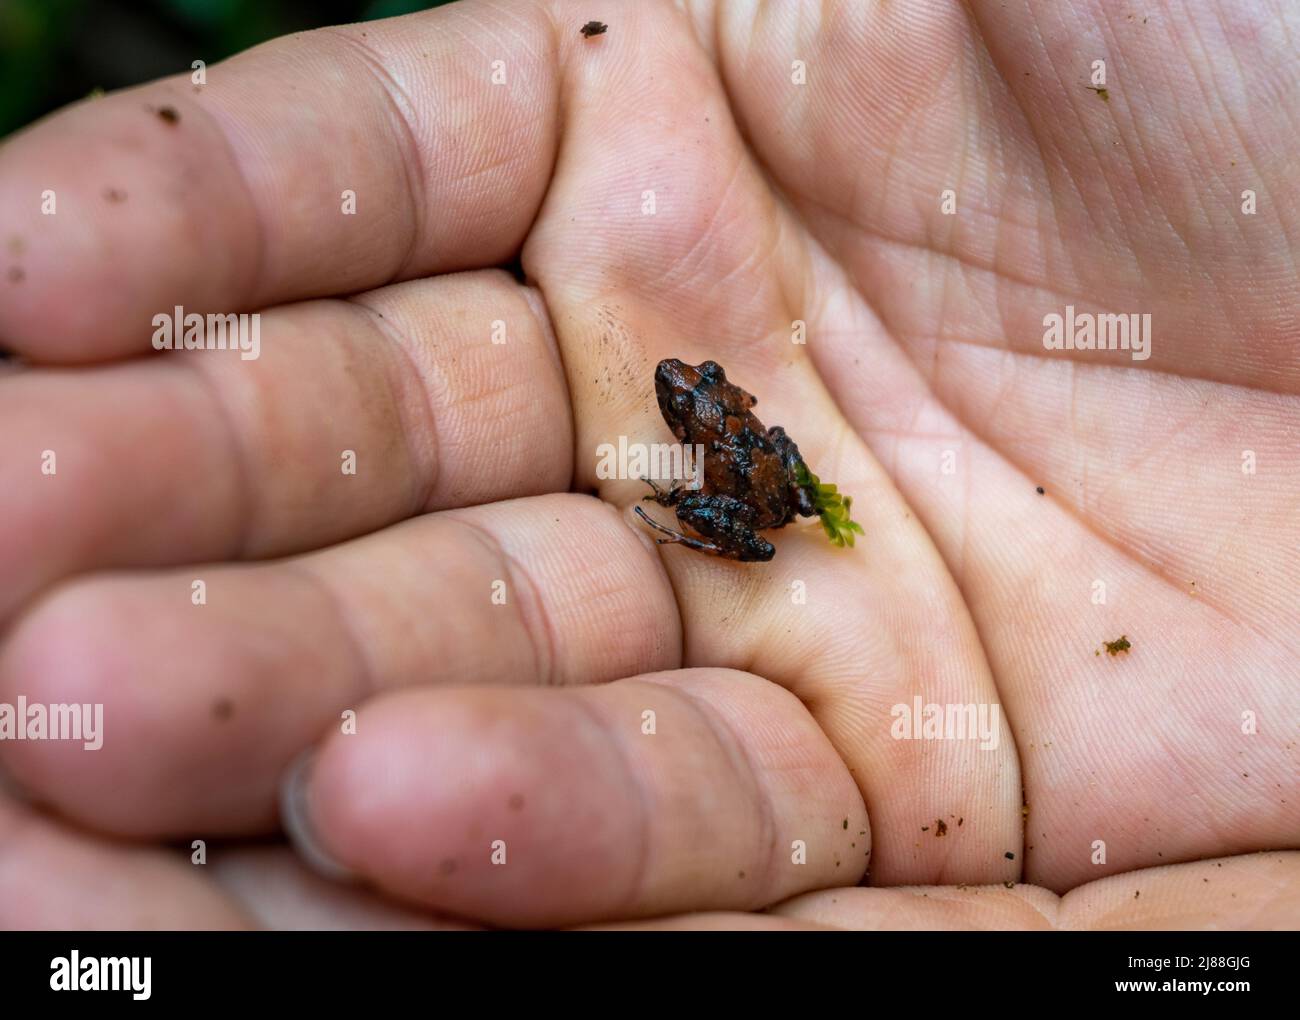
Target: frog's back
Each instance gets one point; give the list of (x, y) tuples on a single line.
[(742, 462)]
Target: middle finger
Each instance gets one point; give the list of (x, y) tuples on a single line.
[(356, 414)]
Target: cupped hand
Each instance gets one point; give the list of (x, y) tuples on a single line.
[(492, 697)]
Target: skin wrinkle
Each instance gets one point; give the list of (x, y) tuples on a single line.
[(550, 329), (1065, 357), (799, 290), (507, 17), (742, 763), (1085, 494), (560, 85), (731, 111), (1126, 139), (431, 468), (959, 175), (1260, 181), (538, 627), (1042, 146), (1097, 170), (967, 484), (752, 257), (1115, 543), (364, 668), (640, 872), (962, 260), (666, 578), (1130, 554), (1052, 917), (1174, 759), (404, 138), (257, 264), (705, 233), (535, 299), (245, 500)]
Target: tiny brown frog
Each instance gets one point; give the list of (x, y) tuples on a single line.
[(593, 28), (753, 476)]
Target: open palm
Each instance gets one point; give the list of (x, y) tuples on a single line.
[(864, 212)]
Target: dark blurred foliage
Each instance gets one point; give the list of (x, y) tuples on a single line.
[(55, 51)]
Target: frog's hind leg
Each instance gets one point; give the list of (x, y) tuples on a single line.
[(677, 537), (726, 523)]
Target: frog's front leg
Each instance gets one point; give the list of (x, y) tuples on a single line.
[(725, 524), (669, 498)]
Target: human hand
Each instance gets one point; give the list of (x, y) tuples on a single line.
[(774, 202)]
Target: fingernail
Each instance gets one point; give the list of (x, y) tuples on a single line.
[(295, 817)]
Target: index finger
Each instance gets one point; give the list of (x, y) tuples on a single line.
[(325, 162)]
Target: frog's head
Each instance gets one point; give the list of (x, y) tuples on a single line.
[(689, 393), (675, 383), (673, 375)]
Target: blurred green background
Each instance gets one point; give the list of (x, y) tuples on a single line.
[(55, 51)]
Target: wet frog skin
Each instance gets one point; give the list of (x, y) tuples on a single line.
[(749, 471)]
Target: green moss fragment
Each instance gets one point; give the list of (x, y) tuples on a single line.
[(832, 507)]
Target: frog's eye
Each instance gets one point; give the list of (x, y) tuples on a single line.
[(712, 371)]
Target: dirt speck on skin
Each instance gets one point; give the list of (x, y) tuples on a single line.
[(593, 28), (1121, 644), (223, 709), (16, 274), (168, 115), (516, 802), (114, 195), (941, 828), (1008, 885), (1102, 93), (16, 246), (447, 866), (1040, 490), (1009, 856), (627, 379)]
